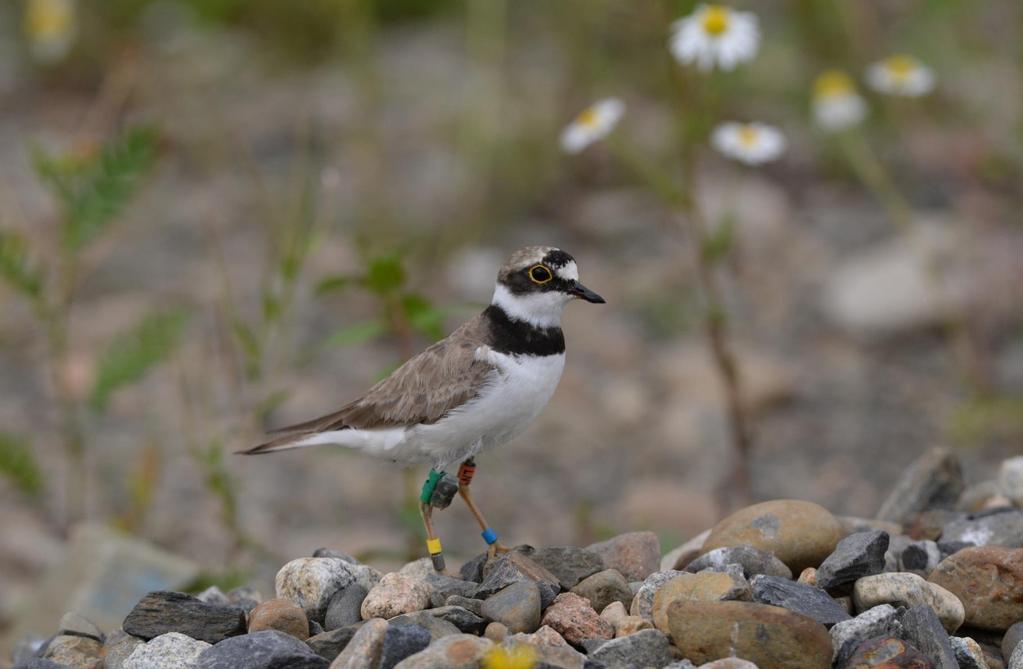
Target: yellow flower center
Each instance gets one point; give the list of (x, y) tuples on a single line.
[(715, 19), (588, 118), (833, 84), (900, 67), (748, 136), (520, 656), (48, 18)]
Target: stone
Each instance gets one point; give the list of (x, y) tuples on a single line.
[(574, 619), (706, 586), (162, 612), (78, 652), (989, 582), (630, 625), (922, 628), (680, 556), (496, 632), (933, 481), (437, 627), (808, 576), (879, 621), (329, 645), (458, 651), (167, 651), (603, 588), (806, 600), (643, 602), (1010, 479), (1016, 659), (569, 564), (968, 653), (1011, 638), (473, 605), (119, 646), (1003, 527), (400, 641), (857, 555), (551, 650), (752, 560), (245, 597), (268, 649), (337, 555), (648, 648), (365, 648), (280, 614), (635, 555), (800, 534), (885, 652), (513, 567), (311, 582), (344, 607), (77, 625), (920, 557), (905, 589), (473, 569), (394, 595), (460, 618), (214, 595), (443, 586), (729, 663), (614, 613), (516, 606), (769, 636), (39, 663)]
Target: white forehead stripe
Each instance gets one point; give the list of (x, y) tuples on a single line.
[(568, 272)]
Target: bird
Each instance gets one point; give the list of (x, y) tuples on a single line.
[(472, 391)]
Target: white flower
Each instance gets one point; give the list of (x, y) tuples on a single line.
[(51, 28), (715, 35), (592, 124), (901, 75), (750, 143), (836, 104)]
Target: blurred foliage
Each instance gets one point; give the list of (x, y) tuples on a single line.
[(988, 418), (18, 463), (142, 482), (18, 268)]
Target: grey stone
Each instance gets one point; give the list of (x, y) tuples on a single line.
[(881, 620), (933, 481), (28, 647), (922, 628), (968, 653), (473, 569), (119, 646), (400, 641), (162, 612), (329, 645), (635, 554), (805, 599), (437, 627), (443, 586), (458, 651), (857, 555), (920, 557), (39, 663), (1002, 528), (474, 605), (603, 588), (344, 607), (331, 553), (516, 606), (646, 648), (167, 651), (363, 651), (311, 582), (514, 567), (79, 652), (569, 564), (752, 560), (214, 595), (78, 625), (1012, 637), (1016, 659), (268, 649), (460, 618), (643, 601)]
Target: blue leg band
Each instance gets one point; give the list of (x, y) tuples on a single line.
[(489, 535)]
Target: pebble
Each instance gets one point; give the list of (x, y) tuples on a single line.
[(246, 598), (269, 649), (989, 581), (968, 653), (574, 619), (728, 663), (1011, 639), (437, 627), (162, 612), (1001, 528), (922, 628), (1010, 479), (363, 650), (544, 655), (706, 586), (77, 625), (905, 589), (474, 605), (1016, 659), (614, 613), (604, 587), (857, 555), (463, 619), (769, 636), (443, 586), (808, 576), (394, 595), (40, 663), (885, 652), (213, 595), (881, 620), (311, 582), (496, 632), (458, 651), (167, 651), (635, 555), (516, 606), (643, 601), (329, 645), (401, 641), (514, 567), (337, 555), (920, 557), (119, 646), (569, 564), (933, 481), (78, 652), (473, 569), (800, 534), (282, 615), (344, 607), (630, 625), (804, 599), (648, 648), (680, 556), (752, 560)]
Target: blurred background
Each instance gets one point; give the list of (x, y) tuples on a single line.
[(218, 216)]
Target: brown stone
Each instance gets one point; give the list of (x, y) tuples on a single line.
[(886, 653), (989, 582), (573, 618), (769, 636), (705, 586), (800, 534), (282, 615), (635, 554)]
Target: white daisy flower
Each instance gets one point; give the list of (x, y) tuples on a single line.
[(592, 124), (836, 104), (750, 143), (715, 35), (901, 75), (50, 27)]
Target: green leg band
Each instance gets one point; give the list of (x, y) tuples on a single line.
[(431, 483)]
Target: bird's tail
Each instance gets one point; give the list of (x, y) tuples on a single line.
[(285, 443)]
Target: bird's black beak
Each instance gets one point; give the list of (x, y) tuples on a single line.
[(584, 293)]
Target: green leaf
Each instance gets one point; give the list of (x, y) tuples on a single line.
[(336, 282), (356, 334), (17, 267), (719, 241), (386, 274), (423, 316), (93, 190), (132, 354), (18, 463)]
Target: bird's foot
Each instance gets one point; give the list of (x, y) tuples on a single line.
[(495, 549)]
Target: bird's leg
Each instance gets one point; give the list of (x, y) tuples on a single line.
[(465, 474), (426, 511)]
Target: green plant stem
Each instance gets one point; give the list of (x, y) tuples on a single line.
[(873, 174)]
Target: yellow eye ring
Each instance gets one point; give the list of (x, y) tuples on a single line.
[(539, 274)]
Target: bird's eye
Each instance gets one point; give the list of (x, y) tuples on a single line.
[(540, 274)]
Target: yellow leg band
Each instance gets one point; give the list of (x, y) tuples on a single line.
[(433, 545)]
